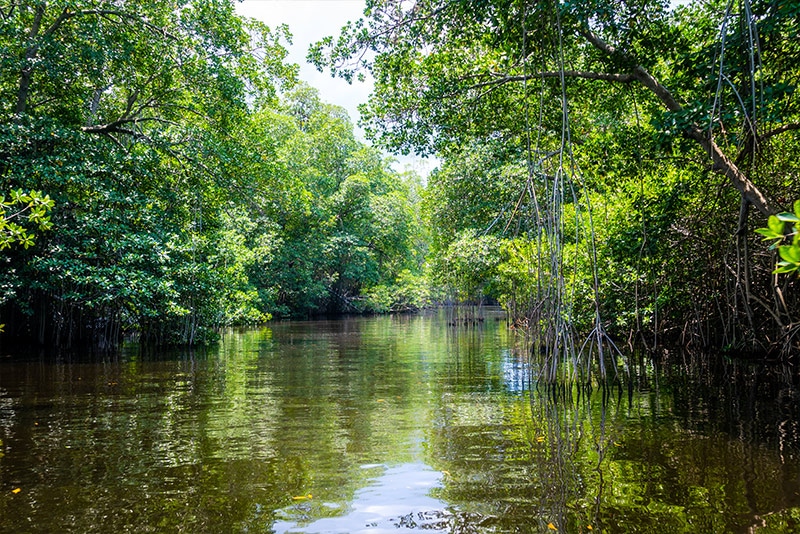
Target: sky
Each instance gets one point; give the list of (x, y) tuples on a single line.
[(309, 21)]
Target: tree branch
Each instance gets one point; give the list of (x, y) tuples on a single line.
[(67, 15), (26, 74), (752, 144), (722, 164), (779, 130), (116, 126)]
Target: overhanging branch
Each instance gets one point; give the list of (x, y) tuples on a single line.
[(117, 126), (722, 164)]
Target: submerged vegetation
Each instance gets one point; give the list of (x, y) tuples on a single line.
[(604, 168)]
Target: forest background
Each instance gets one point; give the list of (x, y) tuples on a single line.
[(604, 169)]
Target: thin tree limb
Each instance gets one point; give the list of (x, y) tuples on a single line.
[(116, 126), (779, 130)]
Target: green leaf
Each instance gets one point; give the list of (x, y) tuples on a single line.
[(768, 233), (790, 253), (787, 217), (775, 224), (784, 267)]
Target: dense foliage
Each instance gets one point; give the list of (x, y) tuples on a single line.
[(612, 151), (604, 167), (194, 184)]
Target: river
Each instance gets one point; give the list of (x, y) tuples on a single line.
[(389, 424)]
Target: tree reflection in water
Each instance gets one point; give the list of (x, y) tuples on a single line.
[(685, 449), (394, 423)]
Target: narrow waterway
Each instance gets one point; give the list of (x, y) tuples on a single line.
[(388, 424)]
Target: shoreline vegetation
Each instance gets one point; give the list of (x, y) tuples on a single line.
[(618, 177)]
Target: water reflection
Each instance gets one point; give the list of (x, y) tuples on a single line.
[(398, 498), (389, 424)]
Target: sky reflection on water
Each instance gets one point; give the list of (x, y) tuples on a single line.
[(398, 499)]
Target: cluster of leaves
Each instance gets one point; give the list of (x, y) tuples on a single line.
[(33, 207), (790, 254)]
